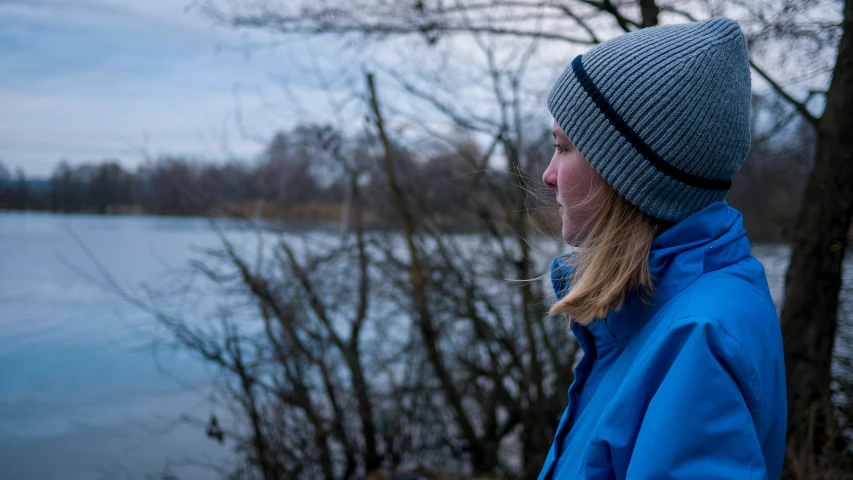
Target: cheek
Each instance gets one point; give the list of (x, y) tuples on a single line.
[(575, 182)]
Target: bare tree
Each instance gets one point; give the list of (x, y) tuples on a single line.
[(814, 279), (531, 406)]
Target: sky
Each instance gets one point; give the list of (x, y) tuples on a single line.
[(86, 80), (90, 80)]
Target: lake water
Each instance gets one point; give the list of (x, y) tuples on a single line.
[(83, 393)]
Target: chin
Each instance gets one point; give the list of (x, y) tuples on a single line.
[(571, 237)]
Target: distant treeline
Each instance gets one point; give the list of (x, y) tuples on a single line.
[(308, 173), (166, 186), (304, 173)]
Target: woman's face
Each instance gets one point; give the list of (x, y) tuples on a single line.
[(576, 184)]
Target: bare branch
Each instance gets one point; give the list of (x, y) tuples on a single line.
[(799, 106)]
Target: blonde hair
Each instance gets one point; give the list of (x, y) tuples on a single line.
[(612, 260)]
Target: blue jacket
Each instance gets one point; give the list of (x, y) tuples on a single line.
[(691, 386)]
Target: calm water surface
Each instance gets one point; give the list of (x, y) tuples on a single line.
[(82, 392)]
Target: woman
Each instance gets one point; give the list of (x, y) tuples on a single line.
[(682, 372)]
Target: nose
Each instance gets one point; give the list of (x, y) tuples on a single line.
[(549, 177)]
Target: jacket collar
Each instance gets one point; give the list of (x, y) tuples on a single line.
[(709, 239)]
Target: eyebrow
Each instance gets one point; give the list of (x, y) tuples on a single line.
[(554, 134)]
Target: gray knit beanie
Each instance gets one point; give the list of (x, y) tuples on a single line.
[(661, 113)]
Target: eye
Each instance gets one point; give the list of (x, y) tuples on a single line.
[(559, 148)]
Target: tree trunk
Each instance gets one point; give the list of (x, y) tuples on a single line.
[(813, 281), (650, 11), (372, 460), (481, 461)]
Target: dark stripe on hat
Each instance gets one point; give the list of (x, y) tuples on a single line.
[(639, 145)]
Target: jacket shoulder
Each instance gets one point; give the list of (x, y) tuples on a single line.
[(734, 305), (737, 296)]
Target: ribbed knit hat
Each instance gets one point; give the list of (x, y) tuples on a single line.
[(661, 113)]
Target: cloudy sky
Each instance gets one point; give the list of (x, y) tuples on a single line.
[(85, 80)]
